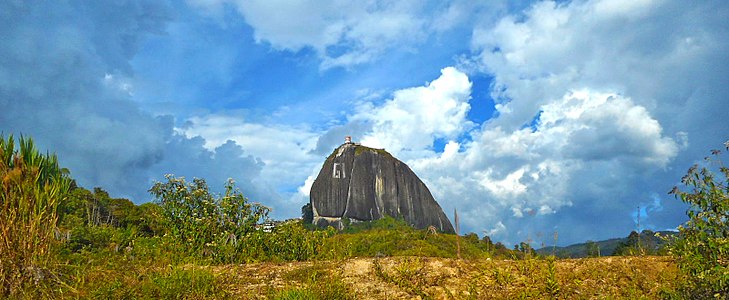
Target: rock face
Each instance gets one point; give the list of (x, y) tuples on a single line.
[(364, 184)]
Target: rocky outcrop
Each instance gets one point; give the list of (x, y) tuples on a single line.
[(364, 184)]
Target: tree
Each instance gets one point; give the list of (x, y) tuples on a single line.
[(307, 213), (702, 246), (525, 249), (630, 246), (203, 222), (593, 249)]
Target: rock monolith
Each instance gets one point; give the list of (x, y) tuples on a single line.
[(363, 184)]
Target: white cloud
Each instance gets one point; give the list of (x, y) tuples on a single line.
[(622, 86), (498, 229), (510, 186), (642, 49), (66, 81), (505, 174), (285, 150), (533, 171), (342, 33), (350, 33), (415, 117)]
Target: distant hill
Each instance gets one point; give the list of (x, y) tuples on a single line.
[(649, 243)]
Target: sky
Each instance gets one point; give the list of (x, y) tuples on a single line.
[(533, 119)]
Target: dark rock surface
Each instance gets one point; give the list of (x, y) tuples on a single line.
[(364, 184)]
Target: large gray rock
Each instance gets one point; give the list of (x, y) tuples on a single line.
[(364, 184)]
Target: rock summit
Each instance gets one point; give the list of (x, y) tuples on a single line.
[(363, 184)]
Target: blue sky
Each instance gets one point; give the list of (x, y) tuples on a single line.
[(529, 117)]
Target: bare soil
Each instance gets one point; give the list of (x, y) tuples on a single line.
[(439, 278)]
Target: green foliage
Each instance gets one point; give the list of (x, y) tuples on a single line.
[(307, 213), (288, 241), (593, 249), (393, 237), (183, 283), (33, 185), (361, 149), (178, 283), (645, 243), (702, 247), (319, 283), (205, 223), (524, 250), (551, 284)]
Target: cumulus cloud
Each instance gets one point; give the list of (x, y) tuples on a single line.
[(592, 119), (285, 154), (341, 33), (647, 50), (415, 117), (600, 105), (345, 33), (405, 124), (66, 81), (597, 110), (534, 171)]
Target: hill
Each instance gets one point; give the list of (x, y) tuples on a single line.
[(650, 243)]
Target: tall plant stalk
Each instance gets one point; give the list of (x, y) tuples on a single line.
[(33, 185)]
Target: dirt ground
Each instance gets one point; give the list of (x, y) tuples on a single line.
[(440, 278)]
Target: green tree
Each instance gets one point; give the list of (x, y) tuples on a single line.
[(307, 213), (33, 185), (525, 249), (631, 246), (702, 246), (207, 225), (593, 249)]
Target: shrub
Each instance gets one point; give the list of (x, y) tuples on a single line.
[(702, 246), (33, 185), (206, 225), (318, 283)]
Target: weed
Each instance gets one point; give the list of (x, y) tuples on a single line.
[(551, 284), (503, 278), (319, 283), (178, 283), (295, 294), (408, 275)]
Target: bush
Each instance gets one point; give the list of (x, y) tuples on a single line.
[(702, 247), (33, 185), (392, 237), (202, 222)]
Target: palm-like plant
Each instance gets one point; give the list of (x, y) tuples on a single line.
[(33, 185)]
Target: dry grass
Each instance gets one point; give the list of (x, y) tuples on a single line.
[(31, 187), (439, 278)]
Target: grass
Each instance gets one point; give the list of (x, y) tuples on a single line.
[(445, 278), (380, 261), (192, 282), (31, 187), (392, 237)]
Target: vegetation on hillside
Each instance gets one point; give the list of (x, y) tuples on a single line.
[(645, 243), (702, 246), (63, 241)]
